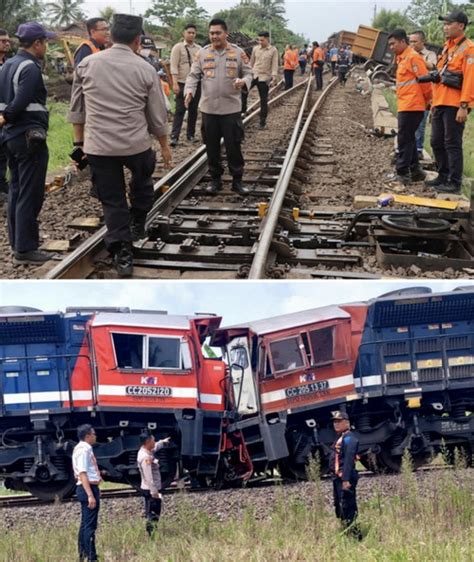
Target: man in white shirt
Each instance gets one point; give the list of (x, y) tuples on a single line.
[(150, 485), (88, 478)]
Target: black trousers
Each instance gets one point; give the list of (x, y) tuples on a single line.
[(109, 181), (288, 75), (26, 193), (231, 129), (3, 170), (345, 501), (302, 64), (152, 512), (89, 521), (446, 141), (333, 67), (407, 157), (181, 110), (263, 89), (318, 73)]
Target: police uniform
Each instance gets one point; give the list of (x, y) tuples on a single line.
[(23, 105), (343, 459), (446, 132), (221, 106), (150, 485)]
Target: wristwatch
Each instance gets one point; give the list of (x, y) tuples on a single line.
[(464, 105)]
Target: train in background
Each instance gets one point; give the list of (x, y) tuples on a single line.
[(401, 365)]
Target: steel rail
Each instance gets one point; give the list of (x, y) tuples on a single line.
[(270, 221), (183, 178)]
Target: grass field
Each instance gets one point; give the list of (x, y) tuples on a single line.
[(59, 136), (408, 525)]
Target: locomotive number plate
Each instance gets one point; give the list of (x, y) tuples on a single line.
[(137, 390), (312, 388)]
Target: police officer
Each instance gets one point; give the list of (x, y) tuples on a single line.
[(345, 476), (453, 97), (264, 63), (116, 102), (182, 57), (4, 50), (99, 36), (24, 121), (417, 42), (224, 70), (413, 99), (150, 485)]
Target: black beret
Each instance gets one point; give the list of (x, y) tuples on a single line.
[(126, 21)]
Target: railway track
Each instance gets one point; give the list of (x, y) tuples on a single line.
[(29, 501)]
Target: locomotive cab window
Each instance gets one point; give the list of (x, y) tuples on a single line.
[(239, 356), (128, 350), (165, 353), (322, 345), (286, 355)]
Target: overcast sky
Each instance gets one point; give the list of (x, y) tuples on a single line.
[(315, 19), (236, 301)]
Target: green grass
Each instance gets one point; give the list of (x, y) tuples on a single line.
[(410, 524), (59, 136)]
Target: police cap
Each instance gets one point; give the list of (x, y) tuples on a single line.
[(147, 43), (338, 415), (133, 24), (457, 16)]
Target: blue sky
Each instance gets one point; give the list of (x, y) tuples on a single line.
[(236, 301), (315, 19)]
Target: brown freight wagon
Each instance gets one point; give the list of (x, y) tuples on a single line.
[(372, 44)]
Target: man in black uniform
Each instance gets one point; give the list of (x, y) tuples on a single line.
[(99, 36), (4, 49), (24, 123), (345, 477)]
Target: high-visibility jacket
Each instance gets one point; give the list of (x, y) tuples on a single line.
[(460, 57), (290, 60), (412, 96), (166, 88), (318, 54), (344, 456), (91, 46)]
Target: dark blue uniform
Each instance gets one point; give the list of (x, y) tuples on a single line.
[(343, 459), (23, 105), (3, 164)]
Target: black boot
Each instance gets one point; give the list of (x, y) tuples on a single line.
[(438, 180), (449, 188), (238, 187), (214, 186), (137, 230), (418, 174), (123, 259)]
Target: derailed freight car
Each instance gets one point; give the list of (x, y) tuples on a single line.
[(121, 371), (401, 365)]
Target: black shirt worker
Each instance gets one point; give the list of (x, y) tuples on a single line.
[(99, 36), (4, 49), (24, 123)]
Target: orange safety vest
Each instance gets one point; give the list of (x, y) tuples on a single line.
[(166, 88), (90, 44), (337, 459), (412, 96), (290, 60), (460, 57), (318, 54)]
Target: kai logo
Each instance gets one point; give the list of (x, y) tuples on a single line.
[(149, 380), (308, 377)]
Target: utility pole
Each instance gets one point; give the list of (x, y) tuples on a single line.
[(375, 10)]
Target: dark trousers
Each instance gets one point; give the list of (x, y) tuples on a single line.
[(345, 501), (318, 74), (407, 157), (446, 141), (181, 110), (26, 193), (152, 512), (109, 181), (302, 66), (263, 93), (231, 129), (3, 170), (288, 75), (333, 67), (89, 520)]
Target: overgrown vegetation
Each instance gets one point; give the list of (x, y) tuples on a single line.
[(59, 136), (416, 523)]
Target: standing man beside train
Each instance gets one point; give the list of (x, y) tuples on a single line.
[(413, 99), (264, 63), (88, 479), (453, 99), (318, 64), (182, 57), (223, 70), (345, 475)]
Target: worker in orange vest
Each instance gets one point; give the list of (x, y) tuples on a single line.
[(99, 36), (290, 63), (453, 98), (345, 476), (318, 64), (412, 100)]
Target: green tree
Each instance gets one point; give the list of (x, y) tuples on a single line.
[(108, 13), (170, 11), (14, 12), (65, 12), (388, 20), (424, 14)]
